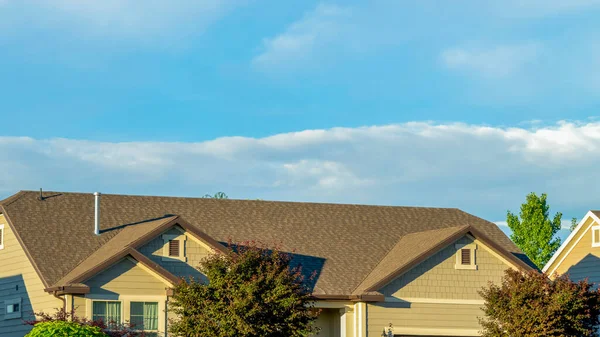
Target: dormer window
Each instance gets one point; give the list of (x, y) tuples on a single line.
[(174, 247), (595, 236), (465, 256)]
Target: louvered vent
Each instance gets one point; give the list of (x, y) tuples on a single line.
[(465, 256), (174, 248)]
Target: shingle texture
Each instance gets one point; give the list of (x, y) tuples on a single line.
[(344, 243)]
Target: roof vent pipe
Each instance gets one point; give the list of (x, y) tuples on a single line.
[(97, 213)]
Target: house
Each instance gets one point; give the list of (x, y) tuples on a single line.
[(416, 271), (579, 255)]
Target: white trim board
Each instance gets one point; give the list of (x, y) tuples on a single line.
[(571, 236), (435, 332), (433, 300)]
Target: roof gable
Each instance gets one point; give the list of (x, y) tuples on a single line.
[(415, 248), (571, 241)]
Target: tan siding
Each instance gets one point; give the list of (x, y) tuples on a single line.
[(451, 319), (17, 271), (437, 277), (125, 278), (79, 305), (583, 260), (194, 252), (329, 323)]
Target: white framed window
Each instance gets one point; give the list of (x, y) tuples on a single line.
[(144, 316), (595, 236), (174, 247), (466, 257), (109, 312), (1, 236), (13, 308)]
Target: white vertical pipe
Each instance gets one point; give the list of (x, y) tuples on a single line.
[(97, 213)]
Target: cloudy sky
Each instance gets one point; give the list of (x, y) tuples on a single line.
[(425, 103)]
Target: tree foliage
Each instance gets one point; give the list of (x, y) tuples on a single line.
[(529, 304), (218, 195), (65, 329), (533, 231), (573, 224), (253, 292)]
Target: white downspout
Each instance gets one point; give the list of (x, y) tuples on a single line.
[(97, 213)]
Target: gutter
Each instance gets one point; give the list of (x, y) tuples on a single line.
[(353, 298), (61, 290)]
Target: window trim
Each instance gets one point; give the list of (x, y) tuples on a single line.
[(122, 314), (172, 237), (473, 258), (13, 315), (593, 230), (1, 236)]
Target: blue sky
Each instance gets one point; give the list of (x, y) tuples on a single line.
[(384, 102)]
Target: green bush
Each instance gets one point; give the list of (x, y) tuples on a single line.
[(61, 328)]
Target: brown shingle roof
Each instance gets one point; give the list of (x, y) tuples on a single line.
[(345, 242)]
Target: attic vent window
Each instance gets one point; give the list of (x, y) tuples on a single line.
[(465, 256), (174, 248), (596, 236)]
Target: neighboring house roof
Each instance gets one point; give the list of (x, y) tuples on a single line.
[(349, 246), (595, 215)]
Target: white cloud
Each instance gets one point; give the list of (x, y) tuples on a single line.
[(482, 169), (118, 18), (496, 61), (325, 24), (564, 224)]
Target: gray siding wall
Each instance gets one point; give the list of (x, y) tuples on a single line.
[(194, 252)]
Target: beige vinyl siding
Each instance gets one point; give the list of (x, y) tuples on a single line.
[(78, 305), (581, 260), (193, 251), (435, 298), (424, 318), (437, 278), (125, 278), (16, 270), (328, 323)]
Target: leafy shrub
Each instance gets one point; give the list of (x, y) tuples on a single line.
[(62, 328), (532, 305), (110, 329)]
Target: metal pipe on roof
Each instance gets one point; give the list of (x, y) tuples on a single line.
[(97, 213)]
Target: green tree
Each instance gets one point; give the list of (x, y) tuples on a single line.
[(218, 195), (573, 224), (529, 304), (534, 232), (253, 292)]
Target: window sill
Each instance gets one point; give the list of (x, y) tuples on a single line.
[(465, 267)]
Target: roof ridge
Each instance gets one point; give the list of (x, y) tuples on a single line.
[(245, 200)]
